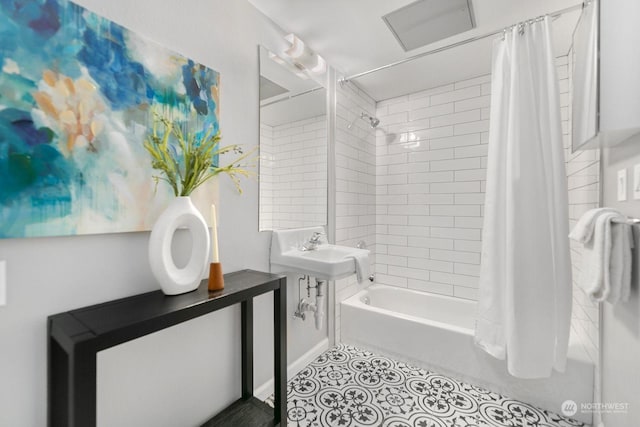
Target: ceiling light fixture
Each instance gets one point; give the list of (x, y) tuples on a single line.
[(297, 48), (294, 67), (321, 65), (275, 58), (304, 58)]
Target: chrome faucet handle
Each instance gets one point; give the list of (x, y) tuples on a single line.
[(316, 237), (313, 242)]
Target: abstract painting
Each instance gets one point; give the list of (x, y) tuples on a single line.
[(78, 94)]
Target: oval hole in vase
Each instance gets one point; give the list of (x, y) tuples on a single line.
[(181, 247)]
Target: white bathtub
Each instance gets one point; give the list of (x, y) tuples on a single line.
[(436, 332)]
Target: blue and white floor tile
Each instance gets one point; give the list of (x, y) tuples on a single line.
[(349, 387)]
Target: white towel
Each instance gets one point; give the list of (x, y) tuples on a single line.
[(620, 262), (583, 230), (362, 265), (606, 257)]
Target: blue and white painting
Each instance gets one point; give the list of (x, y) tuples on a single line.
[(77, 96)]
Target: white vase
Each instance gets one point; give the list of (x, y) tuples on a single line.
[(181, 213)]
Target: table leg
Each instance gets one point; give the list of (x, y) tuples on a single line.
[(82, 379), (247, 348), (280, 348), (72, 386), (58, 395)]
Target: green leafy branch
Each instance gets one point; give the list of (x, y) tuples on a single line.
[(187, 161)]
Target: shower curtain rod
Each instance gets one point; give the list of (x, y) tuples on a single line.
[(451, 46)]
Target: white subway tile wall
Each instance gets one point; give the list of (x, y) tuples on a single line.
[(583, 175), (355, 182), (267, 157), (431, 166), (293, 174)]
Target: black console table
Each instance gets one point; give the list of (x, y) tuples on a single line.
[(76, 336)]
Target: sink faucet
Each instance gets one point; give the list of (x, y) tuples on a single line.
[(313, 242)]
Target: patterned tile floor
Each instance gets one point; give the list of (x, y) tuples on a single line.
[(349, 387)]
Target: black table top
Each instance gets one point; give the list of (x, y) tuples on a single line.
[(145, 313)]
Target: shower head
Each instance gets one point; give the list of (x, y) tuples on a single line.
[(373, 121)]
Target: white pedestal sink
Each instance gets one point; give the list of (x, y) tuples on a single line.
[(326, 262)]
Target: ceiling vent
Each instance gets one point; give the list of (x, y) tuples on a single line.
[(426, 21)]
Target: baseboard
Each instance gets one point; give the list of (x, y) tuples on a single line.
[(266, 389)]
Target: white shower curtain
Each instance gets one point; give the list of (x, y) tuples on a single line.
[(525, 276)]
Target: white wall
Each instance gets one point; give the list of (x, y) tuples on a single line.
[(183, 375), (621, 323), (355, 198)]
